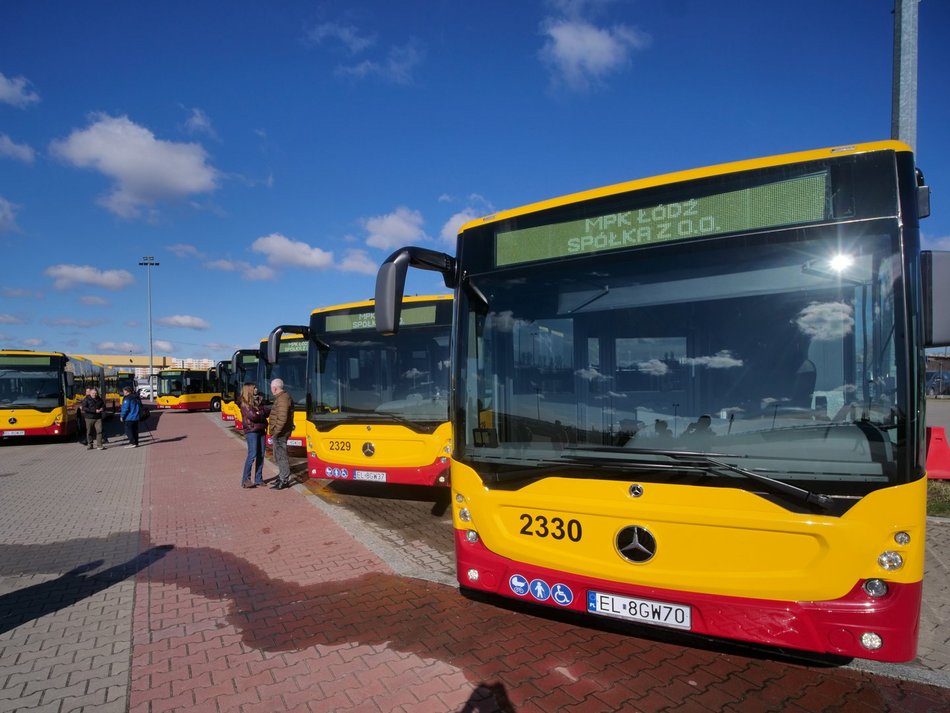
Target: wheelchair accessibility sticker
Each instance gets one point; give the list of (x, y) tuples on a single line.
[(562, 594)]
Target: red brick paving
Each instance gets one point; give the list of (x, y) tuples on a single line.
[(265, 604)]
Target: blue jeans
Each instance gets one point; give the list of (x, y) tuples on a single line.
[(255, 449)]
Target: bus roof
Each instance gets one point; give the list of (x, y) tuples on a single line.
[(689, 175), (371, 302)]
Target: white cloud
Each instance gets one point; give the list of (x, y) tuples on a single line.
[(396, 229), (31, 343), (93, 300), (162, 345), (826, 321), (451, 228), (67, 276), (581, 55), (358, 261), (200, 123), (184, 320), (80, 323), (17, 92), (20, 293), (118, 348), (281, 250), (250, 272), (653, 367), (20, 152), (347, 35), (146, 170), (397, 68), (8, 212), (10, 319), (720, 360), (260, 272), (184, 250)]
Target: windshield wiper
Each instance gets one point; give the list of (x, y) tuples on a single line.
[(695, 461)]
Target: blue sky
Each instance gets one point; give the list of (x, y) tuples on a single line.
[(270, 154)]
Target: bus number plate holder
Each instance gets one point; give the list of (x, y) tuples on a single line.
[(644, 611), (14, 433)]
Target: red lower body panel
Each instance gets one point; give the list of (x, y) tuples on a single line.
[(829, 627), (421, 475)]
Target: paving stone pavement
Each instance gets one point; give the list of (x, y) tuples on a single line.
[(214, 598)]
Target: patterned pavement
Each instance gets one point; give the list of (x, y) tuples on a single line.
[(148, 580)]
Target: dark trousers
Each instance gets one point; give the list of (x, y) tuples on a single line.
[(255, 451), (283, 460), (132, 431), (94, 430)]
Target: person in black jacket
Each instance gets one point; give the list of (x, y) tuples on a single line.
[(93, 408)]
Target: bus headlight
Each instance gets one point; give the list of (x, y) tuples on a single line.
[(890, 560), (902, 538), (472, 575), (875, 588), (459, 498), (465, 515), (471, 536), (871, 641)]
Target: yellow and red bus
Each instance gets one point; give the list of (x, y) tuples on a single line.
[(696, 401), (188, 390), (222, 372), (40, 392), (377, 407), (289, 365), (244, 366)]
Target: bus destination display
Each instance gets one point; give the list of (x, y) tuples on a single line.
[(788, 202), (411, 316)]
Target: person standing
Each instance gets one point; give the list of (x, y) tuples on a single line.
[(130, 415), (93, 407), (254, 416), (281, 426)]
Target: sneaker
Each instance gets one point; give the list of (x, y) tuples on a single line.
[(100, 448), (131, 445)]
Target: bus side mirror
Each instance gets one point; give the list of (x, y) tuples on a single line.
[(272, 350), (935, 288), (234, 363), (391, 282)]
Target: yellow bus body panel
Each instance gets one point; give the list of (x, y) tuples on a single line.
[(709, 539), (394, 446)]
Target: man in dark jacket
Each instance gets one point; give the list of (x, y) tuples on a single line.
[(93, 409), (281, 425)]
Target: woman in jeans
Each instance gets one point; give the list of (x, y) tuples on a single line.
[(254, 416)]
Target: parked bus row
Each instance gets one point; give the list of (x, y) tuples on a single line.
[(693, 401)]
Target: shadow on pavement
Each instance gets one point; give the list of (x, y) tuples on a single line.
[(38, 600), (487, 643)]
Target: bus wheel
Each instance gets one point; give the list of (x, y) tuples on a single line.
[(215, 404)]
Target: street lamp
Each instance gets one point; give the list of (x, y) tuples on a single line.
[(149, 262)]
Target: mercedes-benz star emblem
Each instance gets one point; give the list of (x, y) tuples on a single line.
[(636, 544), (368, 449), (12, 420)]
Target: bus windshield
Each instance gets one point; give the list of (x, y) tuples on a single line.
[(30, 386), (773, 353), (363, 376)]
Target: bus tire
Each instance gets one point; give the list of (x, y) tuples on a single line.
[(215, 404)]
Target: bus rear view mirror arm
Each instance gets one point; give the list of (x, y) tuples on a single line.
[(273, 339), (391, 282)]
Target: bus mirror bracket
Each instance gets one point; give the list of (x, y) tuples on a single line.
[(272, 350), (935, 288), (391, 282)]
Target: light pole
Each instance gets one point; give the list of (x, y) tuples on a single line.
[(149, 262)]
